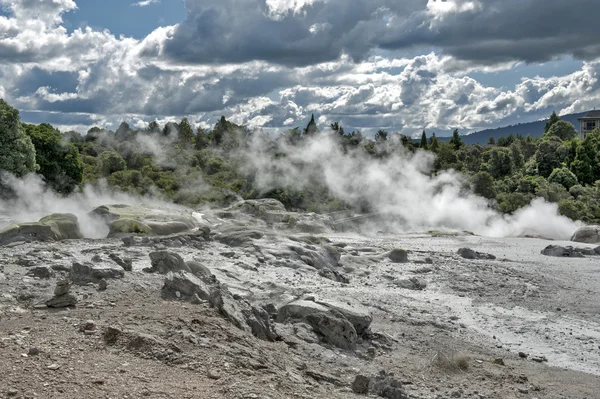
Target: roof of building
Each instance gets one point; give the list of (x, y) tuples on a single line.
[(591, 115)]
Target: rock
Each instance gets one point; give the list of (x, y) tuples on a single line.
[(55, 227), (213, 374), (186, 284), (398, 255), (198, 269), (62, 287), (65, 225), (83, 273), (102, 285), (33, 351), (468, 253), (237, 236), (569, 252), (53, 366), (587, 234), (260, 323), (360, 385), (164, 262), (322, 377), (88, 325), (326, 257), (334, 328), (412, 283), (334, 276), (306, 333), (126, 264), (97, 258), (359, 316), (41, 272), (387, 387), (298, 310), (223, 301), (62, 301), (128, 226)]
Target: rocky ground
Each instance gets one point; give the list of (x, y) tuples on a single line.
[(255, 302)]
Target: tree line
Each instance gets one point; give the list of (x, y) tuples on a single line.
[(204, 166)]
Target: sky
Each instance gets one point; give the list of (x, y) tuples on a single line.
[(404, 66)]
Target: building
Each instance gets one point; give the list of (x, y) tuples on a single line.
[(588, 123)]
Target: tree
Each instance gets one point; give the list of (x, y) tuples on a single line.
[(435, 144), (153, 127), (455, 140), (59, 162), (311, 128), (491, 141), (423, 144), (500, 163), (17, 153), (336, 127), (185, 134), (483, 185), (564, 177), (563, 130), (202, 139), (111, 162), (585, 166), (124, 132), (381, 135), (553, 119), (547, 156)]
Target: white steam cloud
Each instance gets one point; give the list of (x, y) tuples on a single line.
[(401, 188)]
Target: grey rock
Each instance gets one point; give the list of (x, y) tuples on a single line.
[(260, 323), (83, 273), (587, 234), (61, 301), (186, 284), (306, 333), (334, 275), (164, 262), (386, 386), (62, 287), (223, 301), (126, 264), (398, 255), (41, 272), (568, 251), (298, 310), (334, 328), (199, 269), (468, 253), (360, 385), (359, 316), (237, 236), (412, 283)]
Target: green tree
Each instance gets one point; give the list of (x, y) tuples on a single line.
[(483, 185), (17, 153), (311, 128), (500, 163), (435, 144), (423, 144), (110, 162), (202, 139), (564, 177), (548, 157), (381, 135), (586, 166), (185, 134), (153, 127), (336, 127), (491, 141), (553, 119), (563, 130), (455, 140), (59, 162)]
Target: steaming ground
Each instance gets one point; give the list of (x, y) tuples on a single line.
[(400, 186), (485, 310)]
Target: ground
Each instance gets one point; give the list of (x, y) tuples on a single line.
[(522, 325)]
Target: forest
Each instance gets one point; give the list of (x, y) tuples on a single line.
[(196, 167)]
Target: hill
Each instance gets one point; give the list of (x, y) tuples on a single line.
[(535, 129)]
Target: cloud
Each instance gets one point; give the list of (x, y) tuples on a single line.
[(145, 3)]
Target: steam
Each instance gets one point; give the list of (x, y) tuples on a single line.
[(33, 200), (400, 187)]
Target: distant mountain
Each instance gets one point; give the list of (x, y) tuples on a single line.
[(534, 129)]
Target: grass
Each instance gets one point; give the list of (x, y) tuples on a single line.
[(450, 362)]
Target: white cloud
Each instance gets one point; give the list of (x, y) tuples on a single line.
[(145, 3)]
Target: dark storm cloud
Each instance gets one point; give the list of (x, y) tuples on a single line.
[(488, 32)]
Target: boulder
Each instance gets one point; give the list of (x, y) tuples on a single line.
[(359, 316), (325, 257), (334, 328), (128, 226), (41, 272), (62, 301), (83, 273), (164, 262), (198, 269), (468, 253), (126, 264), (412, 283), (398, 255), (65, 225), (260, 323), (298, 310), (222, 300), (587, 234), (568, 252), (188, 286), (237, 236)]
